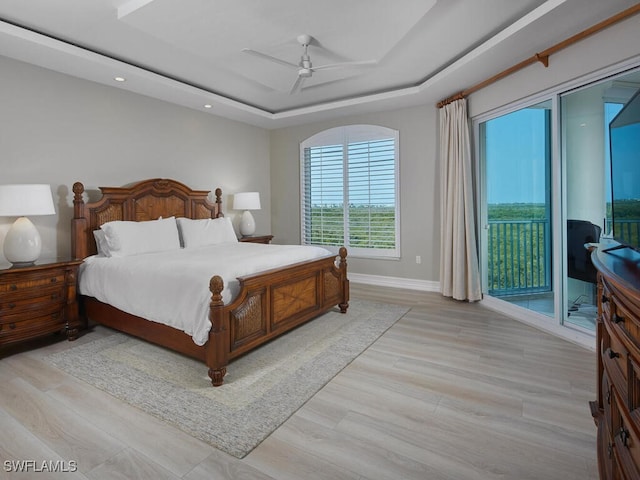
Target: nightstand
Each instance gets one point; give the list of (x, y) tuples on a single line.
[(257, 238), (38, 300)]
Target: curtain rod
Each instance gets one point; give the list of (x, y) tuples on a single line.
[(543, 57)]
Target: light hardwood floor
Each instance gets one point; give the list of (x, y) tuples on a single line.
[(452, 391)]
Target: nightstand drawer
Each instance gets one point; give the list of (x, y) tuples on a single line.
[(15, 283), (39, 299), (42, 310), (33, 299), (40, 325)]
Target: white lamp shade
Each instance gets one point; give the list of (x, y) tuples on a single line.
[(26, 200), (246, 201)]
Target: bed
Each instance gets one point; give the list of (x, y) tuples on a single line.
[(265, 304)]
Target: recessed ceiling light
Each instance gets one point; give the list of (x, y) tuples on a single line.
[(120, 79), (208, 105)]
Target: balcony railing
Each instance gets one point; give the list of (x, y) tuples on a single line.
[(627, 231), (519, 257)]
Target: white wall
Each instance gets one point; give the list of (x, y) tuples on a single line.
[(579, 62), (419, 192), (58, 129)]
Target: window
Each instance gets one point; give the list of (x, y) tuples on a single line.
[(349, 190)]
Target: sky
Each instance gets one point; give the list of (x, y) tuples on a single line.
[(515, 157), (625, 161)]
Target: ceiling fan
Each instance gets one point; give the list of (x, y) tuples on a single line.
[(304, 67)]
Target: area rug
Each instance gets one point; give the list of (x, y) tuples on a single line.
[(260, 391)]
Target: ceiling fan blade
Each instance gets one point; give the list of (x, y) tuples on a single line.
[(298, 85), (362, 63), (269, 58)]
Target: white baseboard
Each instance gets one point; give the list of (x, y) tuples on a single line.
[(395, 282)]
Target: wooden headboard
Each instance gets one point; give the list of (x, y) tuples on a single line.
[(146, 200)]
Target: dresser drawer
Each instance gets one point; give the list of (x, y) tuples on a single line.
[(31, 299), (626, 439), (607, 401), (626, 321), (615, 359), (606, 456), (27, 328), (21, 283), (605, 300)]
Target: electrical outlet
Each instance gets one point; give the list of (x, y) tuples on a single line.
[(418, 259)]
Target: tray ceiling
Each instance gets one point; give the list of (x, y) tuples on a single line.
[(190, 52)]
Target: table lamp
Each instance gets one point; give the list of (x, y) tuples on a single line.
[(247, 201), (22, 244)]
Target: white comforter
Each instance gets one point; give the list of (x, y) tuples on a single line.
[(173, 287)]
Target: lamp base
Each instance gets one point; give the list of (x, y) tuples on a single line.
[(22, 245), (247, 224), (22, 264)]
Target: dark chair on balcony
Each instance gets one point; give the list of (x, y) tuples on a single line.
[(579, 264)]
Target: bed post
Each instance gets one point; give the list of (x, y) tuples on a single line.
[(218, 203), (78, 224), (217, 355), (342, 266)]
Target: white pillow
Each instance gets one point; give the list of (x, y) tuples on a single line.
[(206, 231), (101, 243), (126, 238)]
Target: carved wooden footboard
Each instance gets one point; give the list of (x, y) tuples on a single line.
[(271, 303), (268, 304)]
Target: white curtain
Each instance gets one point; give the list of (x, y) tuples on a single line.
[(459, 272)]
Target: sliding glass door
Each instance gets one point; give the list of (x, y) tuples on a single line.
[(586, 114), (529, 257), (516, 235)]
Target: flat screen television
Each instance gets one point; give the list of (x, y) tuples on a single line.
[(624, 137)]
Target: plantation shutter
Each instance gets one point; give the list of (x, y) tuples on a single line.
[(323, 202), (372, 194), (349, 191)]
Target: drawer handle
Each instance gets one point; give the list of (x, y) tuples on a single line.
[(55, 296), (613, 354), (618, 319), (624, 435), (609, 450), (12, 326), (605, 299), (12, 305), (608, 397), (54, 280), (13, 287)]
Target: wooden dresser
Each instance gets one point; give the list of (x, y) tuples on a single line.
[(617, 409), (38, 300)]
